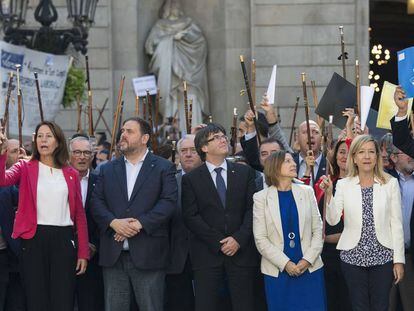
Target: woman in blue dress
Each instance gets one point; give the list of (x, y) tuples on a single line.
[(287, 230)]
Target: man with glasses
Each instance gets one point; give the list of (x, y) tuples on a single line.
[(403, 171), (89, 286), (179, 279), (217, 201)]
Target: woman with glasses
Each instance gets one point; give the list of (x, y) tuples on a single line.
[(50, 220), (372, 243), (287, 230)]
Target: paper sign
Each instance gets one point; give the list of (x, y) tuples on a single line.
[(367, 94), (406, 71), (142, 84), (271, 89), (387, 107), (52, 72)]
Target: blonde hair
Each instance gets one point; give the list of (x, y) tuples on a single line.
[(356, 145), (272, 167)]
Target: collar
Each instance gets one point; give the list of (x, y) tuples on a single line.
[(140, 161), (86, 177), (403, 177), (211, 166), (355, 180)]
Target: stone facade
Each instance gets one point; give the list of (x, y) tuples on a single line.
[(297, 35)]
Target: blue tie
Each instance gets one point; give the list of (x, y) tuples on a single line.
[(221, 186)]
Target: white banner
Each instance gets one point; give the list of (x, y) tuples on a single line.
[(52, 72)]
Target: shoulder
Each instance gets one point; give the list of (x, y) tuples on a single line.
[(262, 194), (302, 187), (159, 161), (195, 172), (241, 169)]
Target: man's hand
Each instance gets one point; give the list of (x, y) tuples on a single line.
[(248, 118), (92, 250), (292, 269), (303, 265), (195, 129), (270, 113), (3, 143), (229, 246), (402, 104), (125, 227)]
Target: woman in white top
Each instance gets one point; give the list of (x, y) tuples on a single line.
[(372, 243), (50, 220)]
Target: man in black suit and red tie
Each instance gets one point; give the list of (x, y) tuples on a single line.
[(217, 209)]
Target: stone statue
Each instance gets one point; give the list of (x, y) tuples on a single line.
[(178, 52)]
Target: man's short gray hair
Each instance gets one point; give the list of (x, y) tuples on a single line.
[(187, 136), (79, 138)]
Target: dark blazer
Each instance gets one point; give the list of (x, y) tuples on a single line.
[(179, 236), (9, 197), (401, 136), (209, 222), (321, 168), (251, 152), (93, 229), (153, 202)]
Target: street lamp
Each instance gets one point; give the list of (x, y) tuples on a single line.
[(47, 39)]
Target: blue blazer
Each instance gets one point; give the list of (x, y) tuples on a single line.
[(153, 202), (9, 197)]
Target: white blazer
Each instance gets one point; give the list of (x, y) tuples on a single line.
[(268, 231), (386, 210)]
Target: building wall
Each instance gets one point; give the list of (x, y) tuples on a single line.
[(297, 35)]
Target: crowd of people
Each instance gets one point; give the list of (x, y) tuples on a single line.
[(265, 229)]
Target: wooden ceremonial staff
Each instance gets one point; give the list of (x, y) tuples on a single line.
[(187, 126), (136, 105), (321, 121), (190, 113), (234, 132), (358, 90), (249, 94), (5, 121), (78, 100), (88, 81), (174, 146), (328, 138), (253, 69), (150, 121), (121, 114), (19, 106), (295, 111), (305, 99), (39, 98), (157, 112), (344, 55), (100, 116), (116, 117)]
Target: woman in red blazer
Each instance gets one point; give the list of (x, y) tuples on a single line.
[(49, 218)]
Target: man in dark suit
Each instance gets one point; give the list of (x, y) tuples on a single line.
[(217, 202), (89, 286), (133, 201), (179, 280)]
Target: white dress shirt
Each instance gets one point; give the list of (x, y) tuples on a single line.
[(84, 188), (213, 173), (132, 172), (52, 197)]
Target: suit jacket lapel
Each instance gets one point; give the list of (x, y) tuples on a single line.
[(272, 203), (91, 185), (120, 172), (205, 176), (33, 172), (146, 168), (298, 196)]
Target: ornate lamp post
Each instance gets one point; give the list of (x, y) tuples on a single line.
[(46, 38)]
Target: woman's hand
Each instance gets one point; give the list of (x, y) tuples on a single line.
[(81, 266), (303, 265), (292, 269), (398, 270), (326, 184), (3, 143)]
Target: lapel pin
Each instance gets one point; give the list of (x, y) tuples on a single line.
[(70, 177)]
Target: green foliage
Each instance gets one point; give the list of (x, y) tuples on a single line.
[(75, 84)]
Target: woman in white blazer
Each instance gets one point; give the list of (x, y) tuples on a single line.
[(372, 242), (288, 233)]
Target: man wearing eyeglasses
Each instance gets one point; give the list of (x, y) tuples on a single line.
[(217, 209), (179, 293), (89, 286)]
